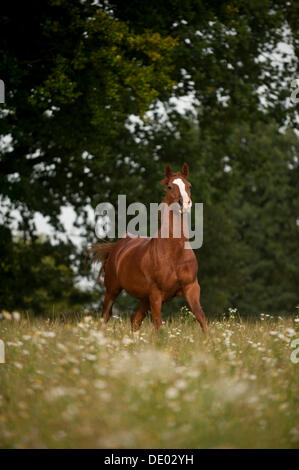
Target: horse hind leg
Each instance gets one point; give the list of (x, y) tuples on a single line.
[(156, 305), (107, 307), (139, 315)]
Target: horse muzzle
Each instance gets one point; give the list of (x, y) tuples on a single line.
[(185, 206)]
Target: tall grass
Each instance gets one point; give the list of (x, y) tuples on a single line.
[(76, 384)]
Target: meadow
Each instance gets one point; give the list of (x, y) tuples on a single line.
[(75, 383)]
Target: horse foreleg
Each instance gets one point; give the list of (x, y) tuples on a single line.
[(155, 305), (139, 315), (192, 295)]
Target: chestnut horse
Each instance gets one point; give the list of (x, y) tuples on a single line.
[(156, 269)]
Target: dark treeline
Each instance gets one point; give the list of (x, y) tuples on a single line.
[(75, 72)]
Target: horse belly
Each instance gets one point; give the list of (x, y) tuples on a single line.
[(134, 283), (130, 270)]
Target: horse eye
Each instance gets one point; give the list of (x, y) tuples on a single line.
[(169, 187)]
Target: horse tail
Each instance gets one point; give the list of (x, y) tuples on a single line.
[(100, 253)]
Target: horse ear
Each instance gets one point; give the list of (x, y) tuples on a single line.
[(185, 170), (168, 171), (168, 175)]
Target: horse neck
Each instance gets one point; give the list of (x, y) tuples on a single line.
[(175, 224)]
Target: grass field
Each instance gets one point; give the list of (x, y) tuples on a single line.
[(74, 384)]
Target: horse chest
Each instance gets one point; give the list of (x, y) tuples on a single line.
[(172, 276)]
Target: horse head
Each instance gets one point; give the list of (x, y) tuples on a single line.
[(178, 188)]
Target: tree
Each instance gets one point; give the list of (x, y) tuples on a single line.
[(37, 277), (71, 83)]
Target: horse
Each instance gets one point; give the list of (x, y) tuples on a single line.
[(154, 269)]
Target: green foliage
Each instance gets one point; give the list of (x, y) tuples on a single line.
[(36, 276)]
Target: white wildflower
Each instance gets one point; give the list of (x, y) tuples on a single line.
[(88, 319), (100, 384), (252, 377), (193, 373), (99, 337), (59, 435), (55, 392), (18, 365), (181, 384), (26, 337), (16, 315), (126, 340), (6, 315), (90, 357), (48, 334), (171, 393)]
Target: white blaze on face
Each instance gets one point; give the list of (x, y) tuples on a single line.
[(186, 199)]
